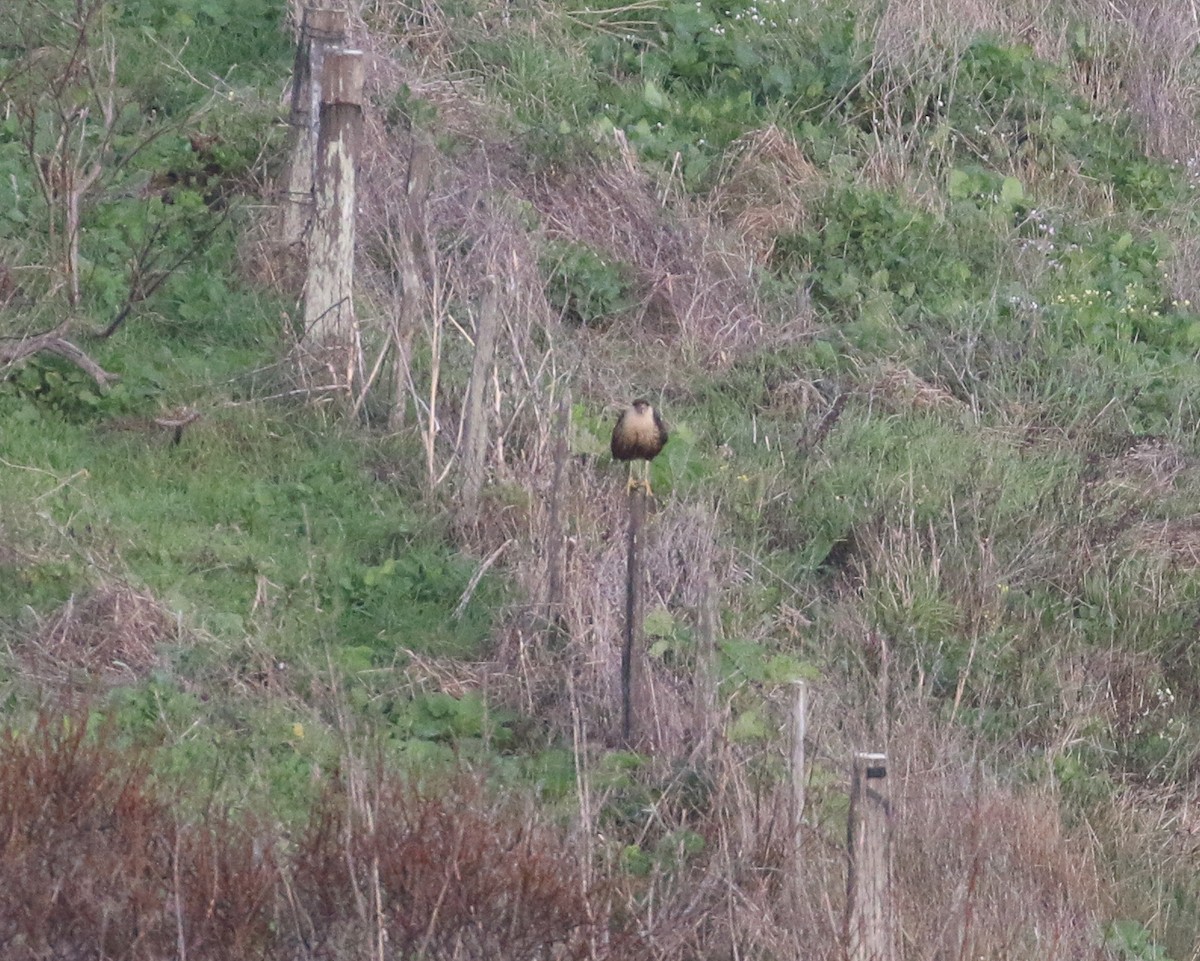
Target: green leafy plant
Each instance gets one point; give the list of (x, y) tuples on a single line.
[(704, 73), (1132, 942), (584, 286), (57, 386), (415, 597), (878, 251), (1111, 286), (226, 42)]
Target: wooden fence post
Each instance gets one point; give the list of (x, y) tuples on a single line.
[(869, 932), (799, 731), (633, 616), (320, 31), (475, 433), (707, 668), (556, 568), (329, 321), (407, 239)]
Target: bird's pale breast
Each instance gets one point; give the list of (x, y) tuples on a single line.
[(640, 429)]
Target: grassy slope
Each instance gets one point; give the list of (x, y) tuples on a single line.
[(971, 230)]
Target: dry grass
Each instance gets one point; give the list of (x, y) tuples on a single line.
[(980, 869), (1132, 57), (765, 188), (983, 868), (897, 388), (681, 562), (1151, 834), (442, 872), (446, 869), (694, 289), (1121, 690), (1176, 541), (1184, 264), (988, 873), (1150, 466), (1149, 64), (909, 30), (93, 864), (110, 634)]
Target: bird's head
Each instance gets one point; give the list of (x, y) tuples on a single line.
[(641, 405)]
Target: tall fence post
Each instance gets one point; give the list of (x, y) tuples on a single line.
[(475, 433), (869, 918), (556, 568), (320, 31), (329, 320), (633, 617)]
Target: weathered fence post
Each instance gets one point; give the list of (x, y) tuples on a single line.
[(329, 321), (320, 31), (869, 932), (633, 616), (475, 434)]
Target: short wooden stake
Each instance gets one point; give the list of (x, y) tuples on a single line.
[(869, 931), (799, 731)]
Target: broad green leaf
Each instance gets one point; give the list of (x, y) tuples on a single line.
[(958, 185), (654, 96), (1011, 191), (659, 623)]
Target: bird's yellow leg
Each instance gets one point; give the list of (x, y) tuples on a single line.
[(646, 479), (632, 485)]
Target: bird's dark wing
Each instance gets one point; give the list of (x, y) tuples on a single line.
[(619, 446), (663, 436)]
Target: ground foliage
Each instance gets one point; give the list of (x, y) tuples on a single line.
[(913, 283)]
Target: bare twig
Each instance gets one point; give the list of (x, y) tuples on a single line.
[(55, 342), (476, 578)]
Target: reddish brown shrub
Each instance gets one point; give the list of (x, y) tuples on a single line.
[(228, 884), (93, 865), (443, 873), (81, 857)]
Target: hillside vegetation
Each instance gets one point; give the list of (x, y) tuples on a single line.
[(916, 284)]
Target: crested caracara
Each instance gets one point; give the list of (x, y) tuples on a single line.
[(639, 435)]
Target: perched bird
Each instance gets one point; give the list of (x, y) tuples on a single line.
[(639, 435)]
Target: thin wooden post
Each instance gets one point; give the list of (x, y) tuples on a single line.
[(556, 572), (869, 932), (475, 433), (707, 680), (633, 615), (799, 731), (406, 240), (320, 31), (329, 318)]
